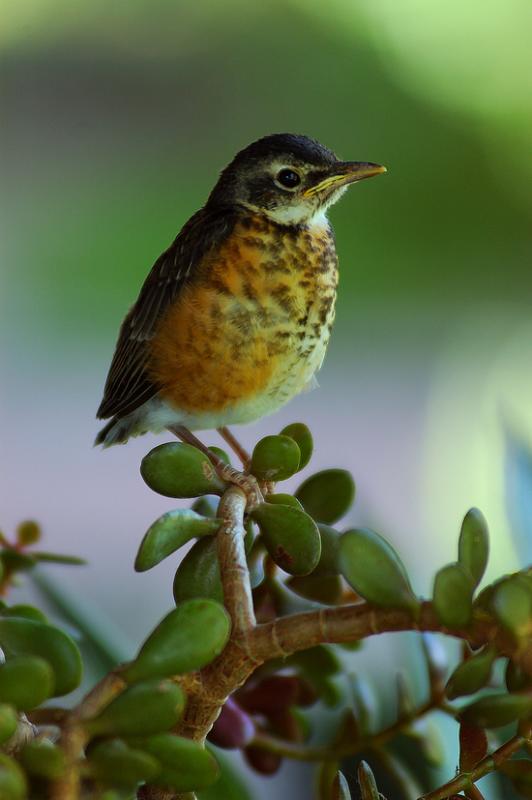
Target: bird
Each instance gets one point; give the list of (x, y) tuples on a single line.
[(234, 318)]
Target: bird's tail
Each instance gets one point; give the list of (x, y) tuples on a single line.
[(117, 431)]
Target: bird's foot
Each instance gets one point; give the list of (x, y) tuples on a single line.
[(248, 483), (227, 473)]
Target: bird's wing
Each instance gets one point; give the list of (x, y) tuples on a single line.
[(128, 384)]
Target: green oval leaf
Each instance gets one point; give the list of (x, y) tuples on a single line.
[(290, 536), (327, 495), (221, 454), (169, 533), (8, 722), (205, 506), (275, 458), (511, 603), (43, 759), (302, 436), (330, 546), (471, 675), (374, 570), (148, 707), (453, 596), (26, 682), (283, 499), (326, 589), (187, 639), (186, 765), (115, 763), (28, 532), (19, 636), (198, 575), (497, 710), (12, 780), (24, 610), (176, 469), (473, 545)]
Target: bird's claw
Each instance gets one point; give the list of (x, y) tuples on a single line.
[(248, 484)]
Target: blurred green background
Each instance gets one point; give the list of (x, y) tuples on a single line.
[(116, 120)]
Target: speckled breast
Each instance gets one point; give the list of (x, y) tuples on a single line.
[(252, 329)]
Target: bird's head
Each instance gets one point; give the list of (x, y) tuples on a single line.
[(289, 178)]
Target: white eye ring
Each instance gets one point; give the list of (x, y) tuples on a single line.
[(288, 179)]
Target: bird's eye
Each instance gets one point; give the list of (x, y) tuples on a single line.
[(288, 178)]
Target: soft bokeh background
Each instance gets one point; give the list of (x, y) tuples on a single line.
[(116, 118)]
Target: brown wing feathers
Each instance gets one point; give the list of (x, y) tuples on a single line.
[(128, 384)]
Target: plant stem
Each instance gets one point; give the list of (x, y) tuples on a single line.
[(234, 572), (490, 763), (295, 632), (336, 751), (74, 738)]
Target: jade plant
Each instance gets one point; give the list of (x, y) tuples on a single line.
[(270, 603)]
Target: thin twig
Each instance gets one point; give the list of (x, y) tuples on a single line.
[(336, 751), (490, 763), (74, 737)]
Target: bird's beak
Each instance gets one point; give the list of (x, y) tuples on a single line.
[(344, 172)]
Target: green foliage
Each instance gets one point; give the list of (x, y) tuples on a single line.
[(302, 436), (327, 495), (169, 533), (297, 562), (375, 571), (26, 682), (8, 722), (497, 710), (275, 458), (453, 595), (185, 765), (176, 469), (290, 536), (148, 707), (12, 779), (114, 763), (21, 636), (472, 674), (473, 544), (198, 575), (187, 639), (43, 758)]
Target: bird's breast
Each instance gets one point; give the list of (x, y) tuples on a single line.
[(253, 325)]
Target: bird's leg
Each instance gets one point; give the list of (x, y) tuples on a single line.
[(235, 446), (226, 472)]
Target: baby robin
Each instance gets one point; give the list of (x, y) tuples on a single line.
[(234, 318)]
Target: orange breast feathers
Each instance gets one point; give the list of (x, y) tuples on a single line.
[(223, 339)]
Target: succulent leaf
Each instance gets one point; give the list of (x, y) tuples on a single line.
[(170, 532), (275, 458), (176, 469), (187, 639), (374, 570), (302, 436), (327, 495), (473, 545), (453, 595), (290, 536)]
